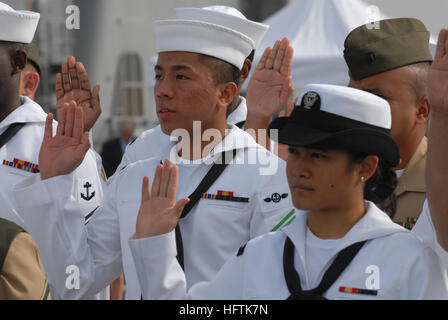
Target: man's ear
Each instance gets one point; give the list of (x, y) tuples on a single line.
[(423, 110), (246, 69), (245, 72), (18, 61), (226, 93), (29, 81)]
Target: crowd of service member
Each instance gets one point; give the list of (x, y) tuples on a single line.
[(350, 205)]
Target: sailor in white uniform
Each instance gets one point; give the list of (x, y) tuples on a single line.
[(150, 142), (340, 246), (230, 204), (22, 130)]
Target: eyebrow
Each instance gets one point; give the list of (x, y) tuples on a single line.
[(175, 68), (377, 92)]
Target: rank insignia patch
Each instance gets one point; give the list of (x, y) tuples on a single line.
[(22, 165), (224, 195), (88, 193), (358, 291), (276, 197)]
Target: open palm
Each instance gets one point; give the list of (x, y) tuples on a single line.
[(270, 87), (64, 152), (159, 212), (73, 84)]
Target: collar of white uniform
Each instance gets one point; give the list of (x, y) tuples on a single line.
[(240, 113), (28, 111), (235, 139), (374, 224)]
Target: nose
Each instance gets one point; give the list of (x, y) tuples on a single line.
[(163, 89), (303, 172), (300, 166)]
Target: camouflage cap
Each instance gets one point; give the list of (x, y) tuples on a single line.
[(33, 56), (396, 43)]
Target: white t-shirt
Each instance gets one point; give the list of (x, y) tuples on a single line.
[(318, 253)]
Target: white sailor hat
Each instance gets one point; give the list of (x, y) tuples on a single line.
[(17, 25), (205, 38), (336, 117), (228, 17)]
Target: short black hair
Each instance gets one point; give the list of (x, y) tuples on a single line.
[(222, 71), (250, 57)]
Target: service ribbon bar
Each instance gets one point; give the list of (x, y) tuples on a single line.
[(358, 291), (408, 223), (225, 196), (22, 165)]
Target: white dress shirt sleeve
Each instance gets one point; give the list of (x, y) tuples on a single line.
[(80, 259), (161, 276)]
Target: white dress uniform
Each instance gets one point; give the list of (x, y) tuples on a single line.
[(152, 142), (424, 228), (212, 232), (393, 264), (19, 159)]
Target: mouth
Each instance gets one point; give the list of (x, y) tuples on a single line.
[(302, 188), (163, 110)]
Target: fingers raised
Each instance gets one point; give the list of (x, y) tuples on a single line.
[(59, 88), (48, 133), (62, 116), (78, 126), (71, 61), (85, 82), (286, 66), (264, 58), (166, 172), (65, 78), (440, 49), (446, 41), (172, 183), (281, 52), (155, 189), (145, 189), (69, 122), (271, 58)]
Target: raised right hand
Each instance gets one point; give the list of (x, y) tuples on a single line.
[(270, 87), (159, 212), (73, 84), (438, 76), (64, 152)]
